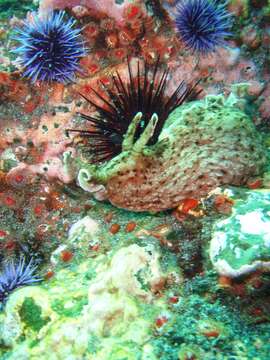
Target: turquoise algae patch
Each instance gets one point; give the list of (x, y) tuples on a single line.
[(241, 243)]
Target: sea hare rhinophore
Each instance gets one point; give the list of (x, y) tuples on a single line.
[(203, 144)]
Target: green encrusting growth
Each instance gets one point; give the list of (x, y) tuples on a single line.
[(31, 315), (58, 305), (9, 8)]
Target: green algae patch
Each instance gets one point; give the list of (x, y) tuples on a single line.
[(31, 315), (27, 315), (9, 8), (72, 308)]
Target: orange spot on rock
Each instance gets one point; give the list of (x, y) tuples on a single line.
[(66, 255), (160, 321), (10, 245), (95, 247), (173, 299), (225, 281), (76, 209), (49, 274), (255, 184), (114, 228), (93, 68), (4, 77), (54, 201), (9, 201), (3, 233), (211, 333), (19, 178), (38, 209), (91, 30), (132, 12), (119, 54), (106, 81), (29, 106), (188, 204), (257, 311), (130, 226)]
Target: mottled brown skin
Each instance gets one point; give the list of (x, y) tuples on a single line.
[(203, 145)]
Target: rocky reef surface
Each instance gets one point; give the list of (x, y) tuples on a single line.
[(80, 276), (138, 287)]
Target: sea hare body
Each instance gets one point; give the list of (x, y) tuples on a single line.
[(204, 144)]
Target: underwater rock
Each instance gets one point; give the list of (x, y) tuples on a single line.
[(241, 243), (27, 310), (203, 144), (134, 271), (82, 235), (83, 231), (114, 296), (96, 309)]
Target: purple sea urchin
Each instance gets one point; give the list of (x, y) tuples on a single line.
[(144, 92), (15, 275), (50, 48), (202, 24)]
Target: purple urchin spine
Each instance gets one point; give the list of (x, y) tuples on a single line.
[(15, 275), (51, 48), (202, 24)]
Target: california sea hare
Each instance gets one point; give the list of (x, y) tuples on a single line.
[(204, 144)]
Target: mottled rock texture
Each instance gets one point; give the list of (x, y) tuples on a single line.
[(241, 243)]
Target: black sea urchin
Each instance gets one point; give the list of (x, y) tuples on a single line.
[(144, 92), (15, 275), (50, 48), (202, 24)]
